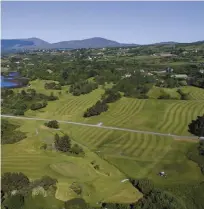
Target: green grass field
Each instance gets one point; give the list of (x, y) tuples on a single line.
[(27, 157), (119, 153), (167, 116)]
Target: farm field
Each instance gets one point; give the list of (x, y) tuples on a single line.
[(166, 116)]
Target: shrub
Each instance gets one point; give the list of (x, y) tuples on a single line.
[(76, 149)]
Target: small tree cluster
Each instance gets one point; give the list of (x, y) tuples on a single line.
[(53, 85), (63, 143), (52, 124)]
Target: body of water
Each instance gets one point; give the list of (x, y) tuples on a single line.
[(10, 81)]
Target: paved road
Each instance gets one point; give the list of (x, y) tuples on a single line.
[(97, 126)]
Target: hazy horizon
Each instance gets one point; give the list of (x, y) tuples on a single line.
[(124, 22)]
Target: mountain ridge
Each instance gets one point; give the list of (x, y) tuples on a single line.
[(95, 42)]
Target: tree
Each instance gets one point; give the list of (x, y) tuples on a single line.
[(52, 124), (63, 143), (196, 127)]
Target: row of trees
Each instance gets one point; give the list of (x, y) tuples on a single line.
[(110, 95), (38, 105), (96, 109)]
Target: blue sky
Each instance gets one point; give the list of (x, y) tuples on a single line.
[(127, 22)]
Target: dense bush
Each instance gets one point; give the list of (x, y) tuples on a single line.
[(96, 109), (196, 127), (52, 124)]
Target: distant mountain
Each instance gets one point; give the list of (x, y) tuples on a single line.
[(96, 42), (8, 44), (35, 43), (166, 43)]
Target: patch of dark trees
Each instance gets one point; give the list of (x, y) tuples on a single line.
[(63, 144), (136, 86), (18, 103), (110, 95), (82, 87), (196, 127), (196, 152), (9, 134), (53, 85), (16, 188)]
